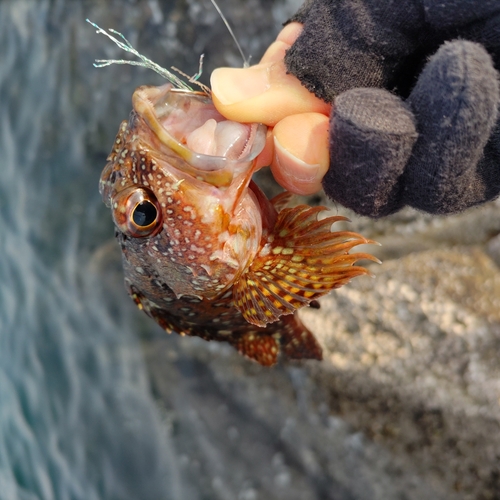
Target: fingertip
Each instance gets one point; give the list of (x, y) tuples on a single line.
[(285, 39), (290, 33), (301, 155), (234, 85)]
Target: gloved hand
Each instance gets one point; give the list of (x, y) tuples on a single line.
[(405, 129)]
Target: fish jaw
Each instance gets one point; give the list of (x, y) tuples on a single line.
[(214, 149)]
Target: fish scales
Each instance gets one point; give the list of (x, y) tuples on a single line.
[(205, 253)]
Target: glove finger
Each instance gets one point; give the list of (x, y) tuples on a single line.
[(455, 102), (489, 166), (372, 133)]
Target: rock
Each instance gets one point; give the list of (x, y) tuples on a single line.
[(412, 359)]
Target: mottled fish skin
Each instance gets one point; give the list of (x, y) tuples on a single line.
[(204, 252)]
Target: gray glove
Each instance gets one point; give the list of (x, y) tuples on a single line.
[(406, 129)]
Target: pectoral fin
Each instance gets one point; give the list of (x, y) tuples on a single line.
[(280, 201), (301, 260)]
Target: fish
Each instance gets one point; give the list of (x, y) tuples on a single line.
[(205, 252)]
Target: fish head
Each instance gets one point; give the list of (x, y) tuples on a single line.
[(178, 182)]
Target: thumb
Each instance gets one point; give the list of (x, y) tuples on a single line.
[(264, 93)]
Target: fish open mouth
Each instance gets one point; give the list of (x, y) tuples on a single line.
[(213, 149)]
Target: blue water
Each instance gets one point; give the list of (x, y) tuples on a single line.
[(77, 420)]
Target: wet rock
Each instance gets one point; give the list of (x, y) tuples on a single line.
[(412, 359)]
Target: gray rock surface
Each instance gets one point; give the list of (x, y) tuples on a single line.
[(413, 361)]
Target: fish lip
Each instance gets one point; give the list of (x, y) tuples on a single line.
[(156, 105)]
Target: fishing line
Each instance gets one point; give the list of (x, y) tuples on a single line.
[(144, 62), (246, 62)]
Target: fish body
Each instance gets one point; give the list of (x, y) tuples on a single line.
[(205, 253)]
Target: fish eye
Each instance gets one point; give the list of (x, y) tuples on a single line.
[(137, 213), (144, 214)]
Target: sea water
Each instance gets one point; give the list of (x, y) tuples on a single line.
[(77, 420)]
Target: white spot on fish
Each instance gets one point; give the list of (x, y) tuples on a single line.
[(196, 249)]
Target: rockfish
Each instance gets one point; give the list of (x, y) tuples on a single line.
[(205, 252)]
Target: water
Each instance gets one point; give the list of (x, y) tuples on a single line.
[(76, 417)]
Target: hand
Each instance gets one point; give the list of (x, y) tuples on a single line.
[(415, 100), (297, 146)]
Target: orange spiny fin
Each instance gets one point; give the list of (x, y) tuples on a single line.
[(297, 342), (301, 260), (261, 348), (280, 201)]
